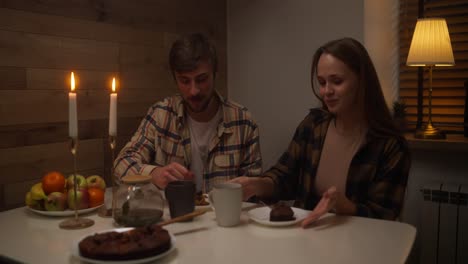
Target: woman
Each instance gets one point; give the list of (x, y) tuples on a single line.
[(347, 156)]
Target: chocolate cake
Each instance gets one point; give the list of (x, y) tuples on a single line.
[(141, 242), (281, 212)]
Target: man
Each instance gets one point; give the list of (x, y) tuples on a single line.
[(196, 134)]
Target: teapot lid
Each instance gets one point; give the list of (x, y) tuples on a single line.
[(133, 179)]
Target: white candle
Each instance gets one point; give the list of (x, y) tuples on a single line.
[(72, 114), (113, 111)]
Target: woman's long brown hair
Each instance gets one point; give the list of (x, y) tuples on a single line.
[(370, 96)]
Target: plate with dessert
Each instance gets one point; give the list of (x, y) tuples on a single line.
[(124, 245), (277, 215), (67, 212)]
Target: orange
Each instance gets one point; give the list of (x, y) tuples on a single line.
[(96, 196), (53, 181)]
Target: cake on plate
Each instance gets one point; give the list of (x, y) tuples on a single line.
[(141, 242), (281, 212)]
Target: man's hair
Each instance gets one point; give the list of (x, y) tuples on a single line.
[(371, 100), (188, 51)]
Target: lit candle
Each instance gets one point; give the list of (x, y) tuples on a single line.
[(72, 115), (113, 111)]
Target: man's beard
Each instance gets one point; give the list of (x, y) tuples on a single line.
[(202, 108)]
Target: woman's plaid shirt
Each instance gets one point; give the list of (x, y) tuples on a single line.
[(377, 176), (164, 137)]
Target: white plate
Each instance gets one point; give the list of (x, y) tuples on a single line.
[(261, 215), (67, 212), (75, 251)]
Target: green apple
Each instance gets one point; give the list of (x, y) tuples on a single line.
[(81, 180), (56, 201), (96, 181), (82, 199)]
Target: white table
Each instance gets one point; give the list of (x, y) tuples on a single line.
[(31, 238)]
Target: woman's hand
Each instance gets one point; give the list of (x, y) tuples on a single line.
[(325, 204), (254, 186), (331, 199)]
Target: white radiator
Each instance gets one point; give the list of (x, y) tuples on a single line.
[(444, 227)]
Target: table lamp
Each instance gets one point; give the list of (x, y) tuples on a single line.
[(430, 47)]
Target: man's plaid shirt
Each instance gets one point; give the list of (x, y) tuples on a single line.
[(164, 137), (377, 175)]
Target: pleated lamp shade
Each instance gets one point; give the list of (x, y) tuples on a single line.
[(430, 44)]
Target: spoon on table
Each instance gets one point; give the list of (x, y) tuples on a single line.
[(184, 217)]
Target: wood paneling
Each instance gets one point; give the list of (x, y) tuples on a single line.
[(29, 106), (14, 20), (12, 78), (46, 133), (42, 41), (31, 162), (174, 15), (40, 51), (59, 79)]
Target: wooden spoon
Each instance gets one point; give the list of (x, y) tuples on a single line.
[(185, 217)]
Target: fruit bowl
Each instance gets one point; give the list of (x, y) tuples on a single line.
[(67, 212)]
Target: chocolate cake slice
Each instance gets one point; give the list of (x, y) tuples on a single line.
[(141, 242), (281, 212)]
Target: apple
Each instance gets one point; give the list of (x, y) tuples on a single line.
[(56, 201), (96, 181), (81, 180), (82, 199)]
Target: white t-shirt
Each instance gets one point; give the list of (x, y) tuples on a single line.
[(201, 134)]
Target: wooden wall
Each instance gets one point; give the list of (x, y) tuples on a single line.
[(42, 41)]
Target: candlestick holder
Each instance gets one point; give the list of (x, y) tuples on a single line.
[(76, 222), (104, 211)]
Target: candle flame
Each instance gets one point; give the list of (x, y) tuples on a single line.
[(72, 82), (113, 85)]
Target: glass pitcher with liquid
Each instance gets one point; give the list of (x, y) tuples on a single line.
[(137, 202)]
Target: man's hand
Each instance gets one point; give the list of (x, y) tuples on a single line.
[(172, 172), (248, 187), (252, 186)]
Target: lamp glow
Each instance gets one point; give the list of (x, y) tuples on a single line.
[(430, 47)]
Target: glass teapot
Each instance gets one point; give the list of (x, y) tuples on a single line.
[(137, 202)]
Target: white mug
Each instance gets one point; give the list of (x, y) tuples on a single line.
[(226, 200)]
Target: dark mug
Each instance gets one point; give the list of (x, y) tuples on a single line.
[(180, 196)]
